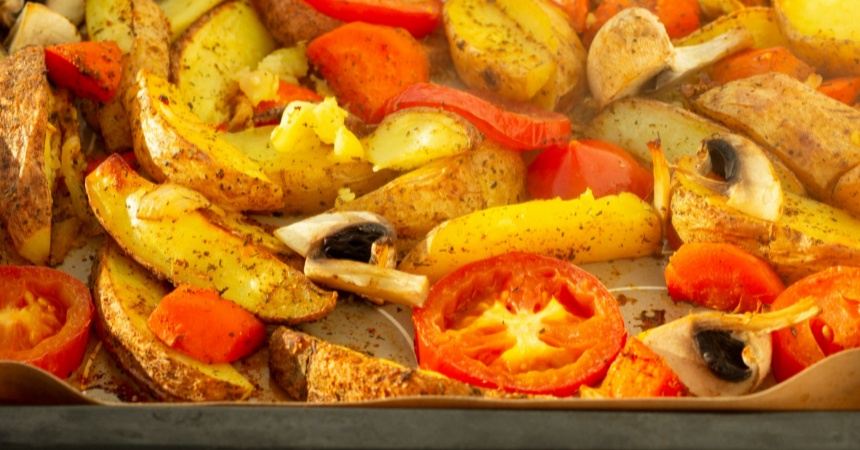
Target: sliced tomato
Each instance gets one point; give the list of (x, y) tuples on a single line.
[(519, 126), (418, 17), (90, 69), (45, 317), (837, 328), (601, 166), (203, 325), (721, 276), (520, 322)]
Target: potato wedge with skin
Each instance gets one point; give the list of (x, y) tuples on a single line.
[(125, 295), (171, 143), (633, 122), (521, 50), (417, 201), (817, 137), (293, 21), (808, 237), (26, 138), (313, 370), (142, 32), (760, 21), (580, 230), (189, 249), (309, 180), (182, 13), (824, 33), (204, 60)]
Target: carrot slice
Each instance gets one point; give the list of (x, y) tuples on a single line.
[(367, 64), (721, 276), (751, 62), (577, 12), (639, 372), (201, 324), (89, 69), (846, 90)]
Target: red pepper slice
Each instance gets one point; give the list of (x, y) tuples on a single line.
[(45, 317), (520, 322), (519, 126), (90, 69), (418, 17)]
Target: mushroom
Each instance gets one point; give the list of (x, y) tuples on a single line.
[(39, 25), (718, 354), (744, 175), (9, 10), (354, 251), (633, 48)]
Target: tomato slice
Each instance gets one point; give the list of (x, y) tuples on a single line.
[(837, 328), (519, 126), (45, 318), (601, 166), (520, 322), (418, 17)]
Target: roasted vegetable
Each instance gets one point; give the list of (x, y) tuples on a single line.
[(125, 295), (823, 36), (293, 21), (160, 228)]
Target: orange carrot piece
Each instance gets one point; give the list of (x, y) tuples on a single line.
[(268, 112), (201, 324), (680, 17), (89, 69), (367, 64), (721, 276), (758, 61), (639, 372), (846, 90), (577, 12)]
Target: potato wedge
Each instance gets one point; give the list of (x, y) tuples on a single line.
[(141, 30), (186, 248), (522, 50), (823, 33), (759, 20), (204, 60), (182, 13), (633, 122), (419, 200), (809, 236), (310, 180), (579, 230), (818, 138), (172, 144), (125, 294), (27, 173), (293, 21), (313, 370)]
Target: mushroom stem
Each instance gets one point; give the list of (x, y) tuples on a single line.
[(804, 309), (379, 284), (687, 60)]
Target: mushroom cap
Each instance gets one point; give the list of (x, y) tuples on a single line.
[(629, 50)]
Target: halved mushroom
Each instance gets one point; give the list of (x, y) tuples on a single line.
[(717, 354), (632, 49), (355, 251), (744, 175)]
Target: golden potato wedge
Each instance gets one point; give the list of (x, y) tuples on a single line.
[(310, 180), (759, 20), (205, 59), (313, 370), (125, 295), (184, 247), (633, 122), (815, 136), (171, 143), (523, 50), (27, 138), (142, 32), (293, 21), (823, 33), (417, 201), (808, 237), (182, 13), (579, 230)]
